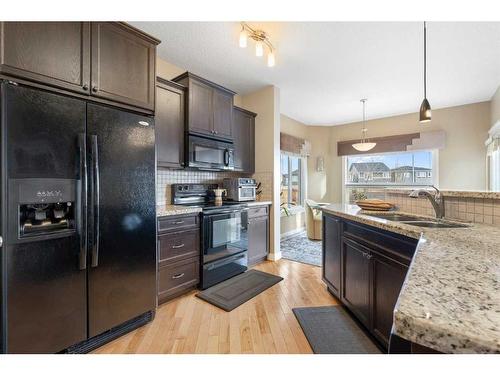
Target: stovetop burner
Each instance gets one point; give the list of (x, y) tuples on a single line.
[(201, 195)]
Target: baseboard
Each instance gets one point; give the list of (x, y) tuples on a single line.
[(292, 233), (274, 256)]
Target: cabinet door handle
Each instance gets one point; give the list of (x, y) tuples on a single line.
[(369, 256), (178, 246), (85, 87), (94, 88), (178, 276)]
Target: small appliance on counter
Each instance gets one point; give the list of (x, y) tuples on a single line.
[(240, 189), (224, 241)]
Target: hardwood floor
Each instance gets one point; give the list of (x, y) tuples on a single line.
[(265, 324)]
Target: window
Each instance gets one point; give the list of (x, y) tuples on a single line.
[(292, 193), (367, 176)]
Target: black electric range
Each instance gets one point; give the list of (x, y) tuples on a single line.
[(224, 239)]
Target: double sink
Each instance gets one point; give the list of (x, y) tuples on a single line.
[(418, 221)]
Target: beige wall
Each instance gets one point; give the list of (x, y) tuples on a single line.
[(495, 107), (461, 162), (265, 103), (319, 138)]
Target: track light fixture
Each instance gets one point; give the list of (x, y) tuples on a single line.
[(261, 40)]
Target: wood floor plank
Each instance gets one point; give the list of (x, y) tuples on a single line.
[(265, 324)]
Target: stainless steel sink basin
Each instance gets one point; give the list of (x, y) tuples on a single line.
[(395, 217), (418, 221), (435, 224)]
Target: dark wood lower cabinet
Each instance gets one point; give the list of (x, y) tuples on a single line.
[(258, 235), (373, 267), (332, 248), (356, 280), (387, 278), (178, 255)]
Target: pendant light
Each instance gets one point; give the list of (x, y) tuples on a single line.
[(364, 144), (425, 107)]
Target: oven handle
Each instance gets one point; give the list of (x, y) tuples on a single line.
[(222, 262), (226, 212)]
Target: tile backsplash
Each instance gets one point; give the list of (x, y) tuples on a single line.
[(474, 210)]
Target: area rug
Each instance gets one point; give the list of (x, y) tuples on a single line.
[(299, 248), (330, 330), (231, 293)]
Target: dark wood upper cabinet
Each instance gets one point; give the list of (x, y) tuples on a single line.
[(169, 124), (332, 248), (200, 108), (53, 53), (123, 64), (112, 62), (223, 114), (388, 277), (244, 140), (210, 107)]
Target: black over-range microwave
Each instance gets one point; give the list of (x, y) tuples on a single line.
[(209, 154)]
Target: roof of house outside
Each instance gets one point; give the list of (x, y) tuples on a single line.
[(409, 168), (370, 167)]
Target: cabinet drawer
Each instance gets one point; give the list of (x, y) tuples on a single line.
[(392, 245), (177, 277), (179, 245), (258, 211), (176, 223)]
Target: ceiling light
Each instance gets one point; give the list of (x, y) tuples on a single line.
[(364, 144), (243, 38), (270, 59), (259, 49), (261, 41), (425, 107)]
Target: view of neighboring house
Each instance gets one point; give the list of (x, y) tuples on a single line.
[(370, 172), (378, 172), (408, 175)]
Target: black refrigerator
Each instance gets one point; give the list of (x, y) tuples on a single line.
[(78, 221)]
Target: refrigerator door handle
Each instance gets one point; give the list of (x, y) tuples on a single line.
[(83, 200), (95, 198)]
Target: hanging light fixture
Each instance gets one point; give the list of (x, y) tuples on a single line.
[(425, 107), (243, 37), (261, 41), (364, 144)]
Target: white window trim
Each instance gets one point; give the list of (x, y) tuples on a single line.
[(303, 181), (435, 171)]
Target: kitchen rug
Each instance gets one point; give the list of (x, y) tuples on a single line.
[(231, 293), (330, 330)]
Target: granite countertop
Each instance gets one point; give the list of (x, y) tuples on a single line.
[(171, 210), (450, 300)]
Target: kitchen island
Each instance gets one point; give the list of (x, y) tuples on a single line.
[(450, 299)]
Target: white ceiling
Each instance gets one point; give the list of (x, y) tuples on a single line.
[(324, 68)]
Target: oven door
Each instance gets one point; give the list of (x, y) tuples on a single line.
[(220, 270), (210, 154), (224, 234)]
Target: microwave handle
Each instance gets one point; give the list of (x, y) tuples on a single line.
[(226, 157)]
